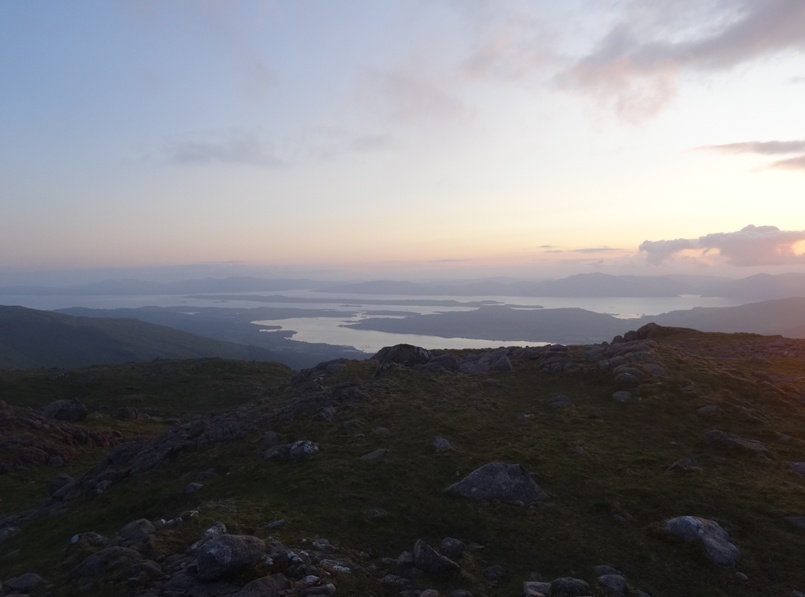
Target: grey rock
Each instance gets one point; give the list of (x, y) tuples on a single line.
[(193, 487), (105, 561), (58, 484), (275, 585), (509, 483), (276, 524), (622, 396), (25, 583), (402, 354), (569, 587), (797, 522), (495, 574), (438, 443), (797, 467), (377, 514), (731, 444), (708, 411), (127, 413), (270, 439), (227, 554), (405, 562), (66, 410), (714, 539), (614, 584), (448, 362), (451, 547), (299, 450), (374, 454), (146, 570), (603, 569), (381, 431), (136, 532), (431, 561), (536, 588), (560, 401)]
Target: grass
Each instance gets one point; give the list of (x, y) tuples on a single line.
[(604, 463)]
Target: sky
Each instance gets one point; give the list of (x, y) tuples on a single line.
[(402, 139)]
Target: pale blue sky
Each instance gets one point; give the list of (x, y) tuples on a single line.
[(400, 138)]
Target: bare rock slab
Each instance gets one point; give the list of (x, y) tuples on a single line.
[(713, 538), (509, 483)]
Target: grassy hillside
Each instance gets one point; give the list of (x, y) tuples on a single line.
[(615, 469), (31, 338)]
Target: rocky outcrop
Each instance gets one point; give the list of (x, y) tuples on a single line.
[(709, 533), (509, 483), (28, 438), (402, 354), (66, 410)]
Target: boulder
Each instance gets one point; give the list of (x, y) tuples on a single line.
[(509, 483), (622, 396), (569, 587), (402, 354), (136, 532), (431, 561), (275, 585), (451, 547), (298, 450), (227, 554), (25, 583), (614, 584), (127, 413), (732, 444), (713, 538), (66, 410), (438, 443), (560, 401), (105, 561)]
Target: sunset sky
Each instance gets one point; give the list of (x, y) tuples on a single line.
[(403, 138)]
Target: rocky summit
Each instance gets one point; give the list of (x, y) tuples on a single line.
[(667, 462)]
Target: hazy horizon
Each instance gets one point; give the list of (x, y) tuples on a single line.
[(357, 140)]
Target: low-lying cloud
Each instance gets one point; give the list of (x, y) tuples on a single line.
[(750, 246), (767, 148)]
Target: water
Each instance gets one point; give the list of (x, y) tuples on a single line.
[(331, 330)]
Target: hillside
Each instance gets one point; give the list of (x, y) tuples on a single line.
[(332, 480), (32, 338)]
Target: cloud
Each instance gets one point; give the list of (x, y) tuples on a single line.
[(638, 62), (660, 250), (767, 148), (595, 250), (750, 246), (229, 148), (763, 147), (415, 90), (797, 163)]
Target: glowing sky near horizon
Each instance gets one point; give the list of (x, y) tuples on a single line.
[(401, 136)]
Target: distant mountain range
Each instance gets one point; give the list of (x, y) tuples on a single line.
[(753, 288), (31, 338), (141, 287)]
